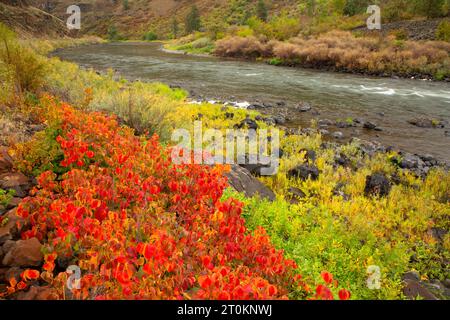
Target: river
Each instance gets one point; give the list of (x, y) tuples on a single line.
[(388, 102)]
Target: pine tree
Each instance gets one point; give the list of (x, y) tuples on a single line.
[(193, 20), (261, 10), (125, 5), (175, 27)]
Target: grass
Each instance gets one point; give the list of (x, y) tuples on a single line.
[(323, 230)]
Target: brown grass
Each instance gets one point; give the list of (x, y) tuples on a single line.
[(341, 51)]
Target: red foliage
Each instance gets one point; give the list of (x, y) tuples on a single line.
[(141, 227)]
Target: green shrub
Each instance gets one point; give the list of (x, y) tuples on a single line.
[(6, 196), (150, 36), (19, 64), (443, 31)]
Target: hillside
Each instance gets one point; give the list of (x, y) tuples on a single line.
[(133, 18), (30, 21)]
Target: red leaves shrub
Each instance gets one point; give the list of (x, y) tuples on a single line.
[(140, 227)]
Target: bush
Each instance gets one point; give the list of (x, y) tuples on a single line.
[(150, 36), (249, 47), (19, 64), (443, 31), (339, 50), (141, 227)]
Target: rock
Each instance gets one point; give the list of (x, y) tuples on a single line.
[(344, 124), (242, 181), (295, 194), (446, 283), (3, 272), (13, 272), (369, 125), (438, 233), (229, 115), (310, 154), (255, 106), (325, 123), (304, 172), (338, 135), (255, 169), (8, 245), (428, 157), (270, 121), (38, 293), (324, 132), (281, 103), (16, 181), (9, 229), (14, 202), (337, 191), (377, 184), (303, 107), (24, 253), (6, 162), (427, 123), (411, 275), (343, 160), (248, 123), (414, 289), (279, 119)]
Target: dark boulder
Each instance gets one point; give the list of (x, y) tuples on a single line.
[(410, 161), (279, 119), (295, 194), (371, 126), (16, 181), (241, 180), (309, 154), (248, 123), (303, 107), (427, 123), (304, 172), (338, 135), (414, 289), (377, 184)]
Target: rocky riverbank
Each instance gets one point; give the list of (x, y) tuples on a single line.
[(336, 132)]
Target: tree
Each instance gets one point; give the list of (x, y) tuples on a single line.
[(261, 10), (430, 8), (113, 35), (126, 5), (193, 22), (175, 27)]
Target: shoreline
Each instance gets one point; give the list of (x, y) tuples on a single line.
[(287, 123), (412, 76)]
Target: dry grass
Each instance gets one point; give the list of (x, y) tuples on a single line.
[(341, 51)]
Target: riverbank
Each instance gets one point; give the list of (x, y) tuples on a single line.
[(391, 104), (335, 51)]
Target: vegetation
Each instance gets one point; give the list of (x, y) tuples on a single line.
[(5, 197), (193, 20), (344, 52), (150, 36), (443, 31), (110, 201), (309, 31)]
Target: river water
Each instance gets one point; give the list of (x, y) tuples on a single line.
[(388, 102)]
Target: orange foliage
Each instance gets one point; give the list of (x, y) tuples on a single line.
[(141, 227)]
